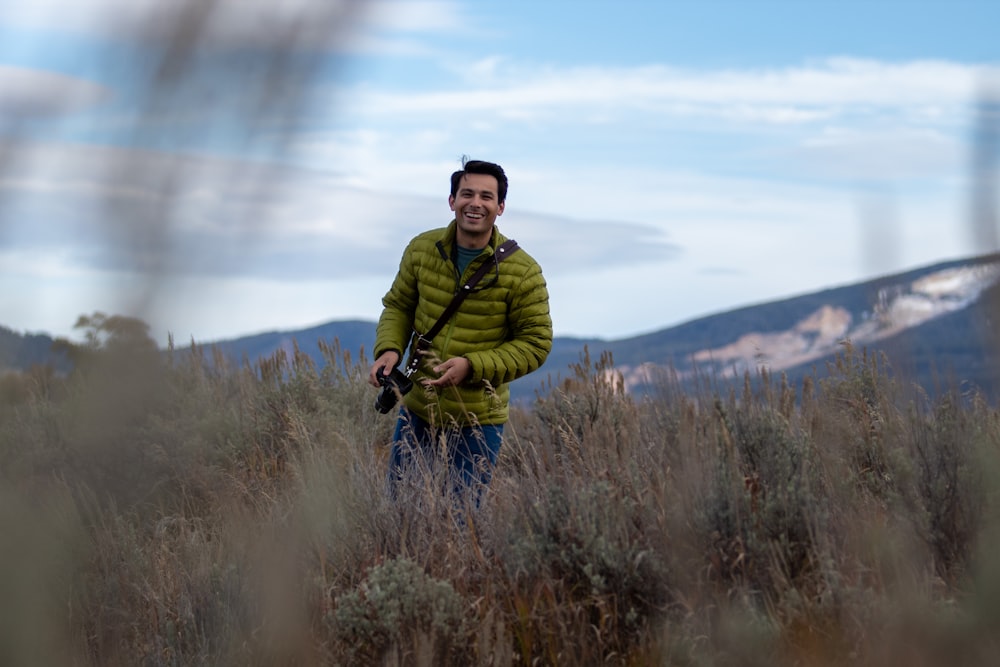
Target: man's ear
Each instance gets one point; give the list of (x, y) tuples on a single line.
[(451, 202), (500, 208)]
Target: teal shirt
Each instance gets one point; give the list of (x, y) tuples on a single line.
[(464, 256)]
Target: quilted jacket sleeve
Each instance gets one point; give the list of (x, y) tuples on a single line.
[(399, 304), (529, 338)]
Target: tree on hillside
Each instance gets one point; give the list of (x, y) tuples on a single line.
[(107, 336)]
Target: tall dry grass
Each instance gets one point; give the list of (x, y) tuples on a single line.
[(181, 510)]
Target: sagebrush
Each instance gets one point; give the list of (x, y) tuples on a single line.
[(179, 509)]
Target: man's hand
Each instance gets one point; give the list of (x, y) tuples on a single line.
[(454, 371), (382, 366)]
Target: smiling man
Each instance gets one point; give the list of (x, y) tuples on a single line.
[(501, 331)]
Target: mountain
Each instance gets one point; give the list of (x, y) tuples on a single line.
[(932, 323), (354, 336), (936, 325), (22, 351)]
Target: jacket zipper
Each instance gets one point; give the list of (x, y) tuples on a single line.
[(473, 266)]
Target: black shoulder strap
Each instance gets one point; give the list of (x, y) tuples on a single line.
[(505, 250)]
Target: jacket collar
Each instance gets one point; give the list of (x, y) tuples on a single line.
[(447, 239)]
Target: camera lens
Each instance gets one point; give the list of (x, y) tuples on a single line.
[(393, 384), (386, 399)]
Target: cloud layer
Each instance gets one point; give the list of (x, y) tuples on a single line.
[(232, 151)]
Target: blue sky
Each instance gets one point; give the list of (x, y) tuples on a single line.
[(667, 160)]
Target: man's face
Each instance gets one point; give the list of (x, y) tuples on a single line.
[(476, 206)]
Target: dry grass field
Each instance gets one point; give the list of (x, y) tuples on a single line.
[(179, 511)]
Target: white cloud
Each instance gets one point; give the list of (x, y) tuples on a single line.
[(216, 23), (159, 214), (231, 24), (788, 95), (30, 93), (883, 154), (415, 16), (318, 249)]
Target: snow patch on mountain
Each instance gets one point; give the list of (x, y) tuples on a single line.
[(817, 336)]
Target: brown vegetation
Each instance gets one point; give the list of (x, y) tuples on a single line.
[(178, 511)]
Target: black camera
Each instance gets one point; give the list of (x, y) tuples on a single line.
[(394, 385)]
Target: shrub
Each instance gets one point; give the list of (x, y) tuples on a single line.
[(590, 543), (762, 506), (859, 411), (400, 608), (949, 487), (212, 514)]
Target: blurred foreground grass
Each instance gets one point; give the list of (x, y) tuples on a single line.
[(177, 510)]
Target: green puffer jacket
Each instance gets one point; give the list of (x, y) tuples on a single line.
[(503, 328)]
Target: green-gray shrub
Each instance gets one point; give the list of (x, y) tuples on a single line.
[(949, 485), (763, 504), (399, 606), (593, 540)]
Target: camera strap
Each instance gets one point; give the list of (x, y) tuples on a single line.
[(423, 341)]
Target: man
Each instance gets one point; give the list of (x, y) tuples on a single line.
[(501, 332)]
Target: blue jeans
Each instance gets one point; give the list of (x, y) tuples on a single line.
[(470, 452)]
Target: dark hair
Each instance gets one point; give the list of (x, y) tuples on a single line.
[(481, 167)]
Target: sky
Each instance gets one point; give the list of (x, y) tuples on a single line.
[(230, 167)]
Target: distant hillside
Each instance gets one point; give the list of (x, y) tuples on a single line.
[(937, 325), (676, 343), (354, 336), (22, 351), (934, 325), (932, 322)]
